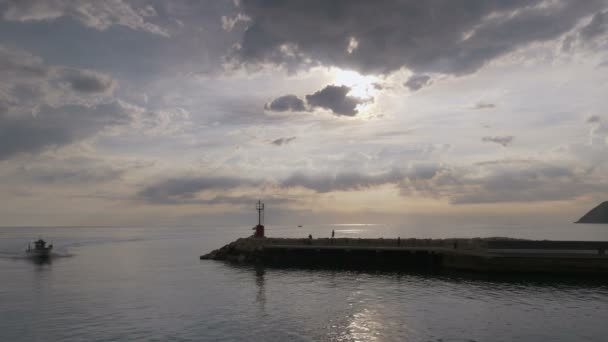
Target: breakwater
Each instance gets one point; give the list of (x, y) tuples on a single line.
[(479, 254)]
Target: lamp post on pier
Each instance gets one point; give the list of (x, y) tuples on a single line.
[(259, 229)]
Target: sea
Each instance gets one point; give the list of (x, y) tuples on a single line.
[(148, 284)]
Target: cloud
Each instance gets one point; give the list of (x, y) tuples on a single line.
[(593, 119), (15, 62), (345, 181), (185, 189), (484, 105), (242, 200), (228, 23), (99, 15), (335, 99), (28, 83), (502, 140), (86, 81), (417, 81), (505, 181), (75, 169), (58, 126), (283, 141), (598, 135), (448, 37), (331, 97), (285, 103), (596, 27)]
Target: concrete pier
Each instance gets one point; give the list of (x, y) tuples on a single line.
[(482, 255)]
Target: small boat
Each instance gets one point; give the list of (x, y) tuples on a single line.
[(40, 250), (299, 226)]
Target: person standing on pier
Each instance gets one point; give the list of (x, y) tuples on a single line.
[(333, 233)]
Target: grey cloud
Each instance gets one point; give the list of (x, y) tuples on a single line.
[(451, 37), (185, 190), (331, 97), (28, 82), (19, 63), (86, 81), (505, 181), (243, 200), (517, 180), (335, 99), (76, 170), (485, 182), (598, 135), (340, 182), (286, 103), (484, 105), (283, 141), (417, 81), (597, 26), (415, 172), (57, 126), (501, 140), (98, 15)]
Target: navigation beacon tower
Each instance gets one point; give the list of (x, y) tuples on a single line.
[(259, 229)]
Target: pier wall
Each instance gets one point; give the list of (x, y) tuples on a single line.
[(481, 255)]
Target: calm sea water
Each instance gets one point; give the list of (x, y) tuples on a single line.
[(147, 284)]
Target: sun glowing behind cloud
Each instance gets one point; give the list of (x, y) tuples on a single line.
[(361, 86)]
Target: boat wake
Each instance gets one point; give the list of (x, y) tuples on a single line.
[(24, 255)]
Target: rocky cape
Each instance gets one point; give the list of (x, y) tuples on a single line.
[(598, 214)]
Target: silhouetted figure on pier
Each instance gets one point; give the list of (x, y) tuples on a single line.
[(333, 233)]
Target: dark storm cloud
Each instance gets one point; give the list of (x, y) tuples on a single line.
[(501, 140), (451, 37), (184, 190), (417, 81), (285, 103), (88, 82), (57, 126), (335, 99), (283, 141)]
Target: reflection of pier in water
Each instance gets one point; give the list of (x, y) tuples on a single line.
[(260, 282)]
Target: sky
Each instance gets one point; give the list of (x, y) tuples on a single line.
[(182, 112)]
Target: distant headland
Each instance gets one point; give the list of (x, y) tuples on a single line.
[(598, 214)]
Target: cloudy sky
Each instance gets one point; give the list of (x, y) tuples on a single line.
[(180, 112)]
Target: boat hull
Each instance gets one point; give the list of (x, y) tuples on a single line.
[(40, 254)]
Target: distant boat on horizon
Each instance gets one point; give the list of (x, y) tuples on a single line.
[(40, 250)]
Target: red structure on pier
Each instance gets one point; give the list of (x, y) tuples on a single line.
[(259, 229)]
